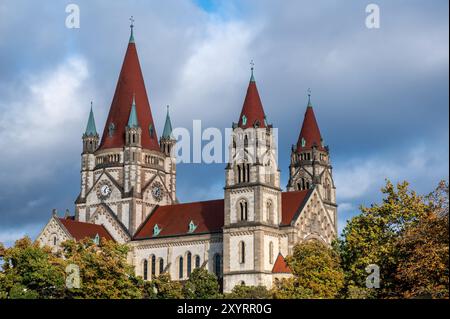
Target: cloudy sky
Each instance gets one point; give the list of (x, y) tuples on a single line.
[(380, 95)]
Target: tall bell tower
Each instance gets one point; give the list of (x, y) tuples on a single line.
[(252, 198), (126, 173), (310, 163)]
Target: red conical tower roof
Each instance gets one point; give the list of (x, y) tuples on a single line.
[(252, 111), (310, 132), (131, 82)]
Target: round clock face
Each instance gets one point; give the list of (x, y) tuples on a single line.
[(157, 191), (105, 190)]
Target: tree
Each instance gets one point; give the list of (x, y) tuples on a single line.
[(201, 285), (316, 269), (30, 271), (289, 288), (423, 252), (249, 292), (104, 270), (165, 288), (394, 236)]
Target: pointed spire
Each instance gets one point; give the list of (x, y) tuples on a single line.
[(167, 133), (133, 120), (90, 127), (310, 133), (252, 114), (130, 81), (131, 29)]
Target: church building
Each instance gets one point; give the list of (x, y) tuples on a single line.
[(128, 193)]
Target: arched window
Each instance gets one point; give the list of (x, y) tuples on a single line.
[(248, 173), (271, 252), (189, 263), (197, 261), (217, 265), (180, 267), (145, 270), (161, 266), (243, 210), (153, 265), (241, 252), (239, 174)]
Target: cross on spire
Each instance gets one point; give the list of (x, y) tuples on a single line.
[(309, 97), (131, 28), (252, 64)]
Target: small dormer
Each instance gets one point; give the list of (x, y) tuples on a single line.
[(192, 227)]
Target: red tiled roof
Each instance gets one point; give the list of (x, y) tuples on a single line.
[(208, 216), (252, 108), (130, 82), (80, 230), (310, 132), (290, 204), (281, 266), (175, 219)]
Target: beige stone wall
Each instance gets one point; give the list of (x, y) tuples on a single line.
[(53, 235), (170, 249)]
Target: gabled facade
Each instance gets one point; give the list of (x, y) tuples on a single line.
[(128, 193)]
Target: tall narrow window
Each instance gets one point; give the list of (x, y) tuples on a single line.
[(269, 216), (161, 266), (241, 252), (54, 241), (180, 268), (217, 265), (153, 265), (244, 173), (239, 174), (248, 173), (197, 261), (243, 210), (271, 252), (145, 270), (189, 263)]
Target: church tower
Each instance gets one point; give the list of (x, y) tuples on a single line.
[(310, 163), (127, 174), (167, 143), (90, 144), (252, 198)]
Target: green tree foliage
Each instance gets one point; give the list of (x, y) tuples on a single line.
[(201, 285), (104, 270), (249, 292), (317, 273), (394, 236), (165, 288), (29, 271), (289, 288)]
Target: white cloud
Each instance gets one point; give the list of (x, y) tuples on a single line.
[(40, 124), (214, 70), (358, 178), (9, 236)]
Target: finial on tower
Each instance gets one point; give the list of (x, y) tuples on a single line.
[(309, 97), (131, 28), (252, 64)]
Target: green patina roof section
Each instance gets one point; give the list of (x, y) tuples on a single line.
[(252, 78), (167, 133), (90, 128), (133, 120)]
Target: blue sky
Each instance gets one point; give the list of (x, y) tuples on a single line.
[(380, 96)]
